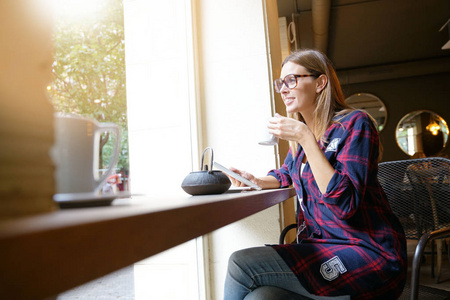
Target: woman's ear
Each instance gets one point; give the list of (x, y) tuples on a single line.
[(322, 81)]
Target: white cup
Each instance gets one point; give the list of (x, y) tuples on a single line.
[(76, 153), (267, 139)]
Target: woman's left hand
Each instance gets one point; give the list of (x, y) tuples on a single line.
[(293, 130), (289, 129)]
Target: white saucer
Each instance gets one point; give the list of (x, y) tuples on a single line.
[(71, 200)]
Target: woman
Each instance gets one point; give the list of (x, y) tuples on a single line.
[(350, 243)]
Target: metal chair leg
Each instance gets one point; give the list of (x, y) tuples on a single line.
[(438, 234), (416, 265), (432, 259), (438, 260)]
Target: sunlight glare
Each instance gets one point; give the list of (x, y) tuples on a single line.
[(76, 10)]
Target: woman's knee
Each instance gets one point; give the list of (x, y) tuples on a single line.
[(241, 257), (236, 261)]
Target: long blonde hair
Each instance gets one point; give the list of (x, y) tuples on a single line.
[(330, 102)]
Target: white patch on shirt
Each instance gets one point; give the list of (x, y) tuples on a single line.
[(299, 230), (300, 201), (331, 269), (332, 147)]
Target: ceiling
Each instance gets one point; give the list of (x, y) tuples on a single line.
[(374, 33)]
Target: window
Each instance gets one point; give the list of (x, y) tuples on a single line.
[(89, 71)]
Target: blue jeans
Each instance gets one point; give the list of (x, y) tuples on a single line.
[(253, 268)]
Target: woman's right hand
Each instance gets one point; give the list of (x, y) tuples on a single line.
[(244, 174), (266, 182)]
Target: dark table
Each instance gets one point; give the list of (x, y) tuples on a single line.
[(43, 255)]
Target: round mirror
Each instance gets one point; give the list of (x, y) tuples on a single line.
[(372, 105), (422, 133)]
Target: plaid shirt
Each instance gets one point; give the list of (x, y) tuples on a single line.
[(350, 242)]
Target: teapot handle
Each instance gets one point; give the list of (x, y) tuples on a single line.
[(212, 159)]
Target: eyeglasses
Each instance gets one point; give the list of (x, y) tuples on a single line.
[(290, 81)]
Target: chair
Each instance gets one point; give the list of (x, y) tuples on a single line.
[(418, 254), (418, 191), (285, 231)]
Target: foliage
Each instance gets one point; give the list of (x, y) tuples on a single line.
[(89, 69)]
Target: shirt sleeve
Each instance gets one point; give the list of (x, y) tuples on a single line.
[(283, 175), (356, 158)]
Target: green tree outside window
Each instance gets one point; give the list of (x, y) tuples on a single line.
[(89, 71)]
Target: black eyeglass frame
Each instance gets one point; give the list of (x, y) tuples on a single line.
[(278, 83)]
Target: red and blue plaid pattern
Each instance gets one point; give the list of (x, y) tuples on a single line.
[(352, 243)]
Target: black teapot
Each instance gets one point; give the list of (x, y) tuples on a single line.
[(206, 181)]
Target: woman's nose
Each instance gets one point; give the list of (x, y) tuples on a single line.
[(284, 89)]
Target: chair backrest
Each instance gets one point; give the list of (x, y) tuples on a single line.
[(418, 191)]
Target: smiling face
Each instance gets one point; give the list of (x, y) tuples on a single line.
[(301, 98)]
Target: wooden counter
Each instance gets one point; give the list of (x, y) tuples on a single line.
[(43, 255)]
